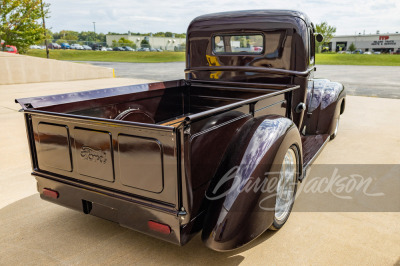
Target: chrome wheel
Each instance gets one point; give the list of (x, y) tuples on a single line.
[(286, 186)]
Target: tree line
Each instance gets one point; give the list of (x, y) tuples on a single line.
[(157, 34)]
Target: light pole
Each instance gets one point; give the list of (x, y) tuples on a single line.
[(45, 31), (94, 30)]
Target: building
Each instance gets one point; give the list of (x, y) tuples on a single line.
[(384, 43), (165, 43)]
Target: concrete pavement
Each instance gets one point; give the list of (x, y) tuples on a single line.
[(36, 232)]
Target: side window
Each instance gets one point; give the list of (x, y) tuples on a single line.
[(311, 46)]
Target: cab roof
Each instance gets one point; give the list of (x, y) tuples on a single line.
[(253, 15)]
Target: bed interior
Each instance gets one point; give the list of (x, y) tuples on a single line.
[(162, 106)]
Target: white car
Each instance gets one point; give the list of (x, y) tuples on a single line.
[(368, 52), (76, 46), (34, 47), (86, 47), (103, 49), (377, 52)]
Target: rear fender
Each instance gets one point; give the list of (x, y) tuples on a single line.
[(240, 205), (325, 103)]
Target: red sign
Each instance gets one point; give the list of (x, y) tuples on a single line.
[(383, 38)]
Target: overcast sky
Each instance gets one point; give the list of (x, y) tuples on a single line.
[(349, 16)]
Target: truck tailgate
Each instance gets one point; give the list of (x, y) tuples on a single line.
[(133, 159)]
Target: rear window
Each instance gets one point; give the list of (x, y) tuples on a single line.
[(238, 44)]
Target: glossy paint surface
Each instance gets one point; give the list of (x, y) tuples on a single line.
[(151, 152), (325, 103), (241, 215)]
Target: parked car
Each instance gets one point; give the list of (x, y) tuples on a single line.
[(159, 50), (109, 49), (104, 49), (258, 49), (118, 49), (143, 49), (86, 47), (358, 51), (54, 46), (76, 46), (367, 52), (34, 47), (10, 49), (127, 48), (221, 151), (397, 51), (65, 46), (377, 52), (96, 47)]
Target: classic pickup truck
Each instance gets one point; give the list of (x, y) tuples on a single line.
[(220, 152)]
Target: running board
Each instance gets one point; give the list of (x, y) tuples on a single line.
[(312, 147)]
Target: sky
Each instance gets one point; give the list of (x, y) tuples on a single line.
[(348, 16)]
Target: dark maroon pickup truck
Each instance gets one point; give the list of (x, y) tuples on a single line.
[(219, 152)]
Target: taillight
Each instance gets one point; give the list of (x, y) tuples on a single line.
[(159, 227), (50, 193)]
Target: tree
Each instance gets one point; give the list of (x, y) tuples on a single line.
[(123, 42), (91, 36), (327, 32), (49, 37), (180, 35), (69, 35), (144, 44), (352, 47), (20, 23), (159, 34)]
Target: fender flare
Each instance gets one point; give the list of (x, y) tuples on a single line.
[(234, 216), (325, 103)]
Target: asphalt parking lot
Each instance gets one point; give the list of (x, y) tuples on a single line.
[(373, 81), (36, 232)]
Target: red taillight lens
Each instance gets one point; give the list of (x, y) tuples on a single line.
[(50, 193), (158, 227)]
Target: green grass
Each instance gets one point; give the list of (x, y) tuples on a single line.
[(160, 57), (358, 59), (111, 56)]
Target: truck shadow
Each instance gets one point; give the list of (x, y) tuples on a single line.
[(35, 230)]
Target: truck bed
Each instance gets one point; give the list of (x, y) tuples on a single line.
[(129, 139), (157, 103)]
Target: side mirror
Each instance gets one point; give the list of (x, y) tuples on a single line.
[(319, 37)]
